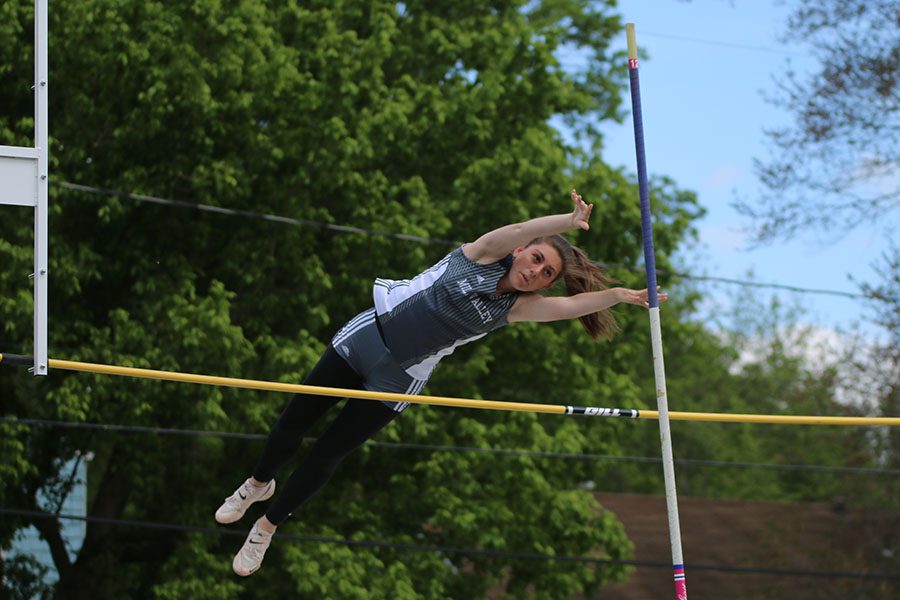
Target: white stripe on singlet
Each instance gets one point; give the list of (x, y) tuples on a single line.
[(389, 293), (358, 322)]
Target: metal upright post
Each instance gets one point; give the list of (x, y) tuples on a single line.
[(24, 180), (41, 144)]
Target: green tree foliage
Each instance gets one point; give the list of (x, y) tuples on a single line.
[(422, 118), (429, 119), (833, 167), (765, 362)]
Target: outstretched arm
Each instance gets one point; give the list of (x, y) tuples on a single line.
[(496, 244), (535, 307)]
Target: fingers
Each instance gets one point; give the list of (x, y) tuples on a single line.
[(642, 297), (577, 199), (583, 210)]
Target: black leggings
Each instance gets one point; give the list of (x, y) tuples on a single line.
[(358, 421)]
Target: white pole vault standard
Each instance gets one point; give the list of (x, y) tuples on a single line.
[(41, 210), (24, 181), (659, 370)]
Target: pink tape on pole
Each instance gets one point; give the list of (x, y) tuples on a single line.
[(680, 585)]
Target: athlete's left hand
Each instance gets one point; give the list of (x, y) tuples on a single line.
[(639, 297), (582, 212)]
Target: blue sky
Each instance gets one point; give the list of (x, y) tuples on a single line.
[(704, 115)]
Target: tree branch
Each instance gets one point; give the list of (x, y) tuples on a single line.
[(52, 534)]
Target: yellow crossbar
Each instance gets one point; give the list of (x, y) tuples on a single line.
[(272, 386)]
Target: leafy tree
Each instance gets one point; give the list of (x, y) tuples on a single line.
[(423, 118), (22, 577), (765, 362), (875, 368), (833, 167)]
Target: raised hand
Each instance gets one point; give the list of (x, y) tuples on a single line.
[(582, 213)]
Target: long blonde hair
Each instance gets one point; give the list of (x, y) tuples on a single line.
[(581, 274)]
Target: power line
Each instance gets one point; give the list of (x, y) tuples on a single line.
[(779, 286), (249, 214), (454, 549), (444, 448), (570, 59), (681, 38), (419, 239)]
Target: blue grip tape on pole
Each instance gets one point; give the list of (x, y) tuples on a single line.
[(643, 188)]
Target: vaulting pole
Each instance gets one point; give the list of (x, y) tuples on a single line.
[(665, 434)]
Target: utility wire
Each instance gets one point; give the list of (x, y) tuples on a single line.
[(455, 549), (779, 286), (681, 38), (569, 59), (444, 448), (419, 239), (249, 214)]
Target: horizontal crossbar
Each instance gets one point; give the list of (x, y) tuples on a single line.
[(274, 386)]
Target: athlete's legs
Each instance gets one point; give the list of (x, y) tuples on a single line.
[(303, 411), (361, 344), (358, 421)]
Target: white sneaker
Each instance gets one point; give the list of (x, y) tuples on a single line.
[(249, 558), (237, 504)]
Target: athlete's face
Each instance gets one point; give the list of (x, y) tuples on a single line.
[(535, 267)]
